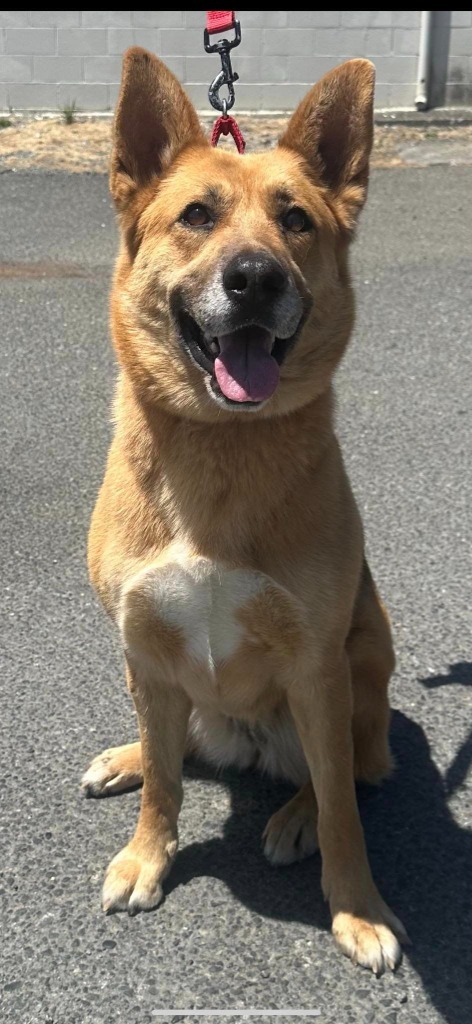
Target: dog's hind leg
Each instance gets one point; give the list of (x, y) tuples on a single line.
[(114, 770), (372, 660)]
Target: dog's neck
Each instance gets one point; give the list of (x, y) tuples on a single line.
[(220, 479)]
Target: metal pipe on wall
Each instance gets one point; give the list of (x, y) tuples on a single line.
[(424, 61)]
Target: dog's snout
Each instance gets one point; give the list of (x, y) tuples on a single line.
[(254, 277)]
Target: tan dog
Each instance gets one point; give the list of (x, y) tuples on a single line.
[(226, 542)]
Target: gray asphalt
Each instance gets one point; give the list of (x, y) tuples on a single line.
[(233, 932)]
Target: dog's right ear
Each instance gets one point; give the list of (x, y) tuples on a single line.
[(154, 120)]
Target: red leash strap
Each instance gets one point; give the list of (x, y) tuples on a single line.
[(222, 21), (219, 21), (228, 126)]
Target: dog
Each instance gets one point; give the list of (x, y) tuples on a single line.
[(225, 542)]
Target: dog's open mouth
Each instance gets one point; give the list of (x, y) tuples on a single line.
[(244, 364)]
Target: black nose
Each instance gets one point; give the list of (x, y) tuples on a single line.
[(254, 277)]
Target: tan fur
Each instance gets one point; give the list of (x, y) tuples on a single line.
[(227, 545)]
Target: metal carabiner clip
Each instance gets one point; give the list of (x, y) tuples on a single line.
[(213, 93), (226, 76)]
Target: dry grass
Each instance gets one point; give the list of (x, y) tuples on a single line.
[(53, 145), (85, 145)]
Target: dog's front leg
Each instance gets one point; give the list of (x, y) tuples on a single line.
[(363, 925), (134, 877)]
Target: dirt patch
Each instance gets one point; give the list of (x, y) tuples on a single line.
[(84, 146)]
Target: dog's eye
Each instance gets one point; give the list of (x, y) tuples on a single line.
[(196, 216), (296, 220)]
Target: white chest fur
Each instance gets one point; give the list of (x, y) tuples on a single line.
[(222, 633), (203, 601)]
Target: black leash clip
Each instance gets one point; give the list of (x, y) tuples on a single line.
[(226, 76)]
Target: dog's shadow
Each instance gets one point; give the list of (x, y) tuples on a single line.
[(421, 858)]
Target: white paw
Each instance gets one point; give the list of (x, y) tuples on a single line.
[(133, 879), (369, 941), (290, 835), (110, 773)]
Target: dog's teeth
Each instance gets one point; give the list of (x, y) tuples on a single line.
[(214, 347)]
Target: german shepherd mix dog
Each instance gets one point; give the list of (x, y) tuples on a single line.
[(226, 543)]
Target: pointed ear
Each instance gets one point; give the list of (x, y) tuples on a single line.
[(154, 120), (332, 128)]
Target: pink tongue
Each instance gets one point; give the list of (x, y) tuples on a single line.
[(245, 369)]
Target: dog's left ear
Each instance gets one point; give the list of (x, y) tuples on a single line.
[(154, 120), (332, 129)]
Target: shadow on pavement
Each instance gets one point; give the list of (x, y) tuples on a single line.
[(420, 857), (461, 674)]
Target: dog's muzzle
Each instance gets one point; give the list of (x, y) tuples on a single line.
[(240, 330)]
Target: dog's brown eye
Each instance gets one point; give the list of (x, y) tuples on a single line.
[(296, 220), (197, 216)]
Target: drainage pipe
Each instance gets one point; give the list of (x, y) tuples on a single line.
[(424, 61)]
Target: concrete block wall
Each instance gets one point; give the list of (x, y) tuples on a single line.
[(459, 70), (49, 58)]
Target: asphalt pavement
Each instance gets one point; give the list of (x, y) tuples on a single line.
[(233, 932)]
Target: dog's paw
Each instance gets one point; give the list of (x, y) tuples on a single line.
[(113, 771), (133, 879), (290, 835), (372, 942)]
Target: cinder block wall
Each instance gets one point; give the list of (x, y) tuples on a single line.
[(49, 58), (459, 71)]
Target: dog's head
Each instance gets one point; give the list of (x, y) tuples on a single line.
[(232, 290)]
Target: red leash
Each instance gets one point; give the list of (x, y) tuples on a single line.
[(228, 126), (219, 21), (222, 21)]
